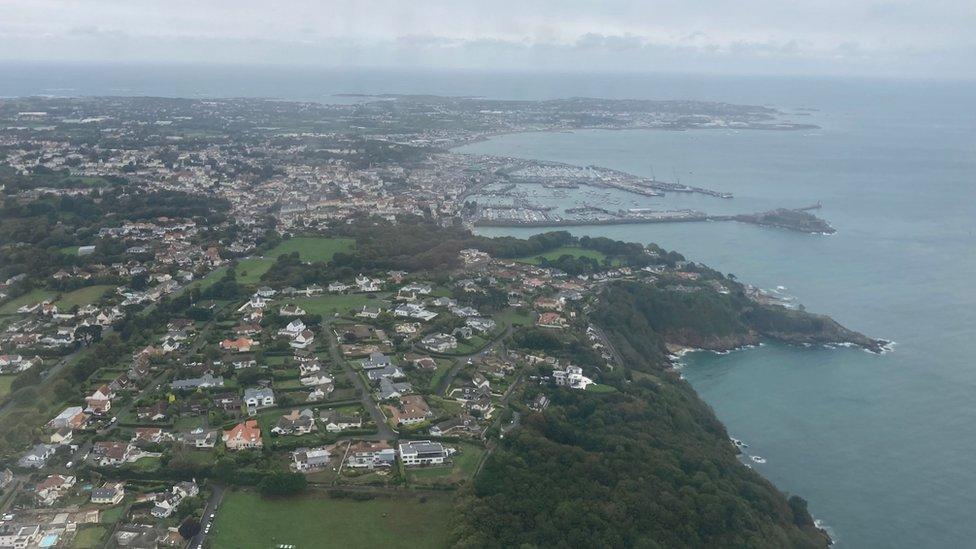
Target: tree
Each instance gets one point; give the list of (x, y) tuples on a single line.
[(189, 528), (88, 334), (280, 483)]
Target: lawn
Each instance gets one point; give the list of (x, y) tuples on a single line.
[(329, 304), (35, 296), (312, 248), (464, 467), (514, 317), (89, 537), (248, 520), (83, 296), (574, 251), (309, 248), (5, 382), (443, 366), (111, 515)]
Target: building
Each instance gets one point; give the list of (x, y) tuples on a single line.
[(52, 488), (258, 399), (439, 343), (206, 381), (370, 455), (110, 493), (306, 459), (571, 377), (415, 453), (200, 438), (335, 421), (295, 423), (37, 456), (413, 409), (244, 436)]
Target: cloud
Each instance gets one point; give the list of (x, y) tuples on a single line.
[(908, 38)]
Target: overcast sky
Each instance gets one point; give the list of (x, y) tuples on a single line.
[(917, 38)]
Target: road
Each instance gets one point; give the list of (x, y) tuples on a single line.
[(383, 430), (459, 362), (216, 496), (198, 342)]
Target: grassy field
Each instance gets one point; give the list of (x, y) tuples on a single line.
[(514, 317), (83, 296), (248, 521), (329, 304), (249, 271), (574, 251), (89, 537), (35, 296), (312, 248), (5, 382)]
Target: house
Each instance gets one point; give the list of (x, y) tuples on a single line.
[(540, 403), (306, 459), (370, 311), (316, 380), (100, 401), (110, 493), (265, 292), (257, 399), (19, 536), (37, 456), (243, 436), (62, 436), (415, 453), (206, 381), (108, 452), (239, 345), (465, 312), (335, 421), (480, 324), (291, 310), (303, 340), (295, 423), (293, 328), (200, 438), (389, 371), (571, 377), (338, 287), (392, 389), (73, 417), (407, 328), (550, 320), (149, 434), (412, 410), (370, 455), (439, 343), (154, 412), (461, 423), (375, 361), (52, 488)]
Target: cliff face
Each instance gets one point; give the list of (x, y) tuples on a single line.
[(651, 317)]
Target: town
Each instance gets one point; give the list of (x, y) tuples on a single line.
[(206, 303)]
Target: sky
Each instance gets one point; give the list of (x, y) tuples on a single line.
[(897, 38)]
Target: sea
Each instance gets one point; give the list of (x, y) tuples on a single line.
[(882, 446)]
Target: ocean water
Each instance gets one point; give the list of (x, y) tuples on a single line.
[(882, 446)]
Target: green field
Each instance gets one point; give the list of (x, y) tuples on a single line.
[(312, 248), (247, 520), (574, 251), (89, 537), (329, 304), (35, 296), (5, 382), (249, 271), (83, 296)]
